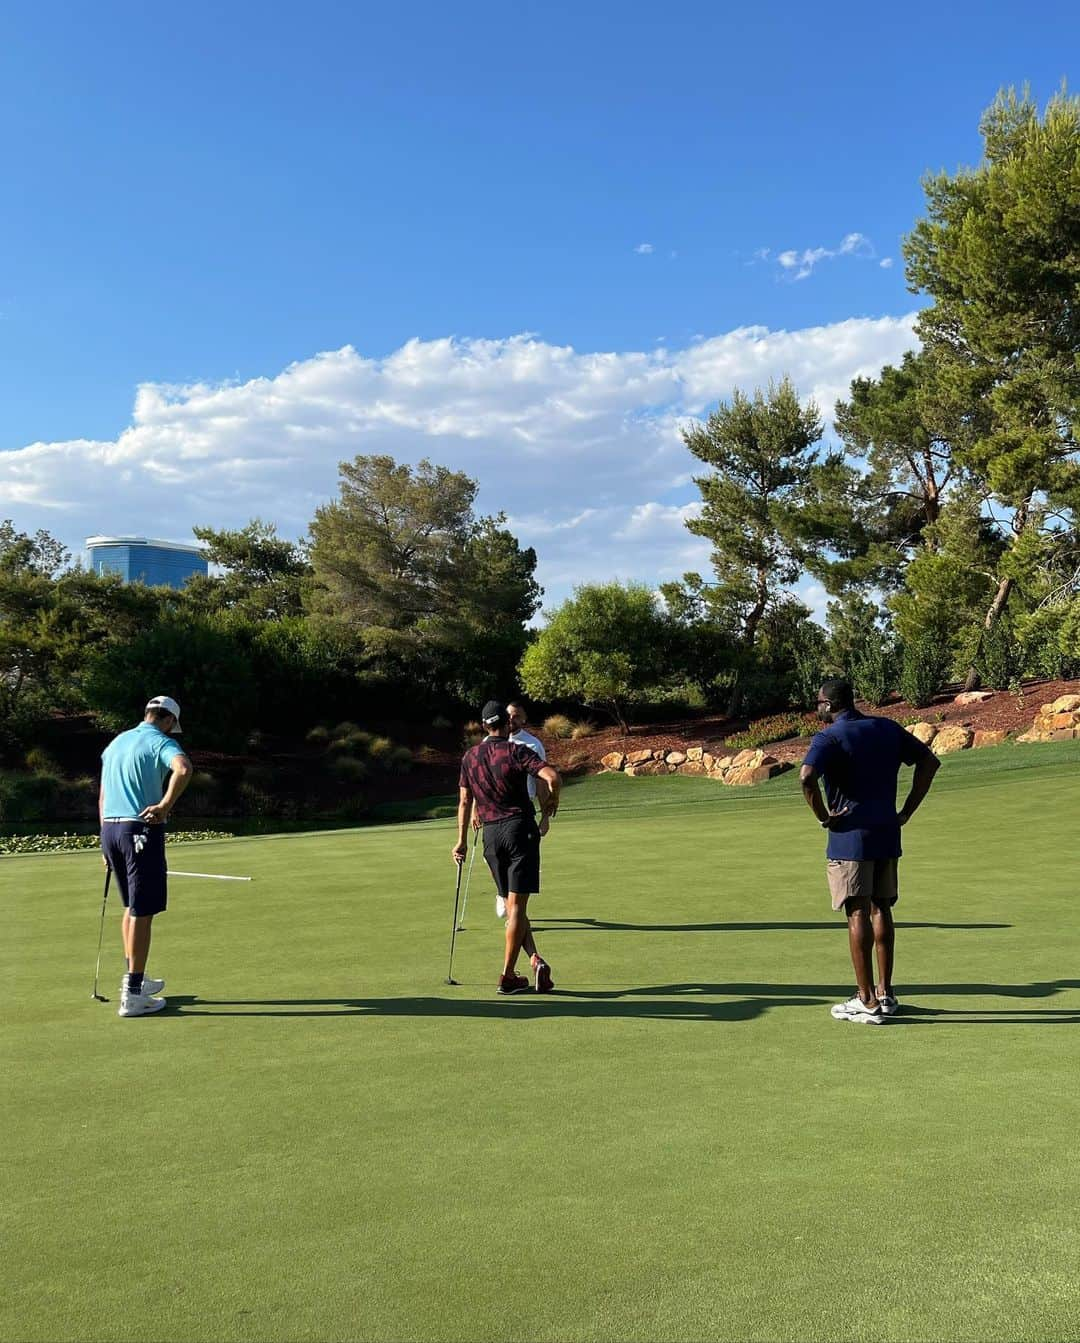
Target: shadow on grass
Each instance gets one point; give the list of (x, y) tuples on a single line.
[(551, 923), (685, 1002)]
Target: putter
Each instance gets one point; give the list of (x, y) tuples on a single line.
[(98, 997), (453, 927), (468, 880)]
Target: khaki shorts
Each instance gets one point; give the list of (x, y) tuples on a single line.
[(871, 880)]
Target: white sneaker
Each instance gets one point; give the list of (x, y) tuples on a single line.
[(500, 907), (856, 1010), (138, 1004), (889, 1004), (149, 986)]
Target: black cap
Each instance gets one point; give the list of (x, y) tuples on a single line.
[(493, 713)]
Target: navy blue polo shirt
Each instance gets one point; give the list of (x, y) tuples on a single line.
[(858, 758)]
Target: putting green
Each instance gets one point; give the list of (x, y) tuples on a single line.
[(319, 1140)]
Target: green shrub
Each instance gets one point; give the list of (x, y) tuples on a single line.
[(355, 741), (1000, 657), (39, 761), (874, 669), (558, 726), (399, 760), (779, 727), (318, 736), (348, 769), (28, 797), (923, 668), (14, 844), (441, 723)]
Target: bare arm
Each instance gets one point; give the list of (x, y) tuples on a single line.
[(180, 772), (811, 789), (925, 770), (549, 780), (464, 815)]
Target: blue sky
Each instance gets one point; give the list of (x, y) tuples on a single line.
[(197, 198)]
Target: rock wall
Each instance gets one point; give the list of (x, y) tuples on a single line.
[(1059, 721), (742, 769)]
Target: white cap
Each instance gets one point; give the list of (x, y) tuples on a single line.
[(170, 705)]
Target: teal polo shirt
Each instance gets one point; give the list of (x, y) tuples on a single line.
[(134, 769)]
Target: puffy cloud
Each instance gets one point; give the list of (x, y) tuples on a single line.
[(797, 265), (644, 248), (581, 449)]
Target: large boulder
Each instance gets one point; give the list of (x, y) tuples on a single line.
[(1060, 719), (1066, 704), (708, 761), (614, 760), (973, 697), (747, 759), (695, 753), (653, 767), (638, 757), (676, 757), (952, 738), (751, 774), (924, 732), (988, 737), (725, 762), (692, 767)]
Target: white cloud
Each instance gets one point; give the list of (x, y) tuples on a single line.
[(797, 265), (581, 449), (644, 248), (886, 263)]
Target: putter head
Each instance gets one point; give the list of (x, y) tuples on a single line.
[(452, 981), (99, 998)]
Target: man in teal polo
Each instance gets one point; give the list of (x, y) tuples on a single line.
[(143, 773)]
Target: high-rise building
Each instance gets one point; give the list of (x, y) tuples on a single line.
[(139, 560)]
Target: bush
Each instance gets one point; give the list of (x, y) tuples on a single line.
[(583, 729), (779, 727), (28, 797), (923, 668), (348, 769), (1040, 637), (13, 844), (472, 734), (558, 726), (874, 670), (1000, 658), (440, 723), (39, 761), (318, 736)]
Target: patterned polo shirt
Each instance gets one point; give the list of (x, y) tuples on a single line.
[(496, 773)]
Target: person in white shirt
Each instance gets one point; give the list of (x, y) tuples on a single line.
[(519, 721)]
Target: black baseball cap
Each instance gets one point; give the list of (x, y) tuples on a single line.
[(493, 713)]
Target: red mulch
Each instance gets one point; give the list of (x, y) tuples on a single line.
[(1003, 712)]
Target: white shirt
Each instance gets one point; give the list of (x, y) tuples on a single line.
[(524, 738)]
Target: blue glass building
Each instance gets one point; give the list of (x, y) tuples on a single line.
[(159, 564)]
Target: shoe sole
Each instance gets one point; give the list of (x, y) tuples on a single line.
[(509, 993), (150, 1011), (864, 1017)]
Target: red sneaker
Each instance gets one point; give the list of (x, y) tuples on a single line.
[(512, 984), (544, 983)]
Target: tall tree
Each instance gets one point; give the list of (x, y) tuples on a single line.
[(41, 554), (264, 574), (999, 254), (761, 451)]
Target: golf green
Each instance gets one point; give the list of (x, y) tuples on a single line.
[(321, 1140)]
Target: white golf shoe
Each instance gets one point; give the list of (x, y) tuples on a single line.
[(149, 986), (500, 907), (138, 1004), (856, 1010)]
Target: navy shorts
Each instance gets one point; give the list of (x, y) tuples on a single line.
[(135, 851), (512, 852)]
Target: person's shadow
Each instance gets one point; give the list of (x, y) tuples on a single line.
[(730, 1003), (552, 923)]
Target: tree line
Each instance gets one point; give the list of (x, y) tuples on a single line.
[(943, 524)]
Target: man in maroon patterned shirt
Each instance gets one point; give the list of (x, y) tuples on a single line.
[(494, 778)]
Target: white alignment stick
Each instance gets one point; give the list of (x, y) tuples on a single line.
[(208, 876)]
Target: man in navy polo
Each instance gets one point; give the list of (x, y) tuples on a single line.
[(859, 757), (143, 773)]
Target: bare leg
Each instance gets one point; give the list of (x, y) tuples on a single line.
[(139, 942), (884, 942), (517, 929), (127, 922), (861, 941)]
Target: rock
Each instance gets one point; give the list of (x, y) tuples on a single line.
[(924, 732), (1032, 735), (1066, 704), (950, 739), (988, 737), (973, 697), (1060, 720), (631, 771), (695, 753), (692, 767), (708, 761), (638, 757), (676, 757), (746, 759), (653, 767), (614, 760), (749, 775), (1064, 734), (725, 762)]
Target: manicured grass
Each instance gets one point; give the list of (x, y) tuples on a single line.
[(319, 1140)]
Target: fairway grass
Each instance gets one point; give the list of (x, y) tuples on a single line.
[(320, 1140)]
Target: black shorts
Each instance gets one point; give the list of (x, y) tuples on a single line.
[(512, 851), (135, 851)]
